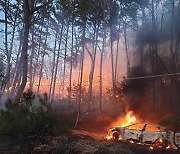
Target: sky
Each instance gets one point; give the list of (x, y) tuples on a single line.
[(1, 25), (1, 14)]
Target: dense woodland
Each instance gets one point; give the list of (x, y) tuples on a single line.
[(79, 50)]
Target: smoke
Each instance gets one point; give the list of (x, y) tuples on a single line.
[(146, 97), (61, 90)]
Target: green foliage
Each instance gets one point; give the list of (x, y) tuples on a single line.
[(44, 100), (75, 92), (20, 120), (16, 120), (28, 96)]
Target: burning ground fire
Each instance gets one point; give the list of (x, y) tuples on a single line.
[(129, 119)]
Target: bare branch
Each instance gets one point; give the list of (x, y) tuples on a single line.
[(90, 54), (41, 6)]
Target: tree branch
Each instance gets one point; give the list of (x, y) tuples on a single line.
[(41, 6), (3, 21), (90, 54)]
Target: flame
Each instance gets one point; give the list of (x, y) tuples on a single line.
[(108, 137), (129, 119), (160, 140)]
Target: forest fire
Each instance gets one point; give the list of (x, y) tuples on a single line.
[(72, 69)]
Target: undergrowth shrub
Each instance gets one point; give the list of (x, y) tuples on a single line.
[(21, 119)]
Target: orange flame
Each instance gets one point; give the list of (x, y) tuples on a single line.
[(129, 119)]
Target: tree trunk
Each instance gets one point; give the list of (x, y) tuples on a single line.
[(71, 65), (65, 56), (112, 67), (117, 54), (52, 73), (172, 39), (24, 54), (126, 49), (93, 62), (101, 69), (57, 62), (17, 70), (101, 58), (9, 82), (8, 55), (82, 69), (141, 45), (31, 61), (42, 62), (37, 59)]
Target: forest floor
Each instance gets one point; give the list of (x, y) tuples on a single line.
[(87, 137)]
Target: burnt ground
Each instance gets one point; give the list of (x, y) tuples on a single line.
[(87, 137)]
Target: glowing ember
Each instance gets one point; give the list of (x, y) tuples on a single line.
[(151, 147), (129, 119), (108, 137), (131, 141)]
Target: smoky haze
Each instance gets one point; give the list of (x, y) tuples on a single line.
[(79, 51)]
